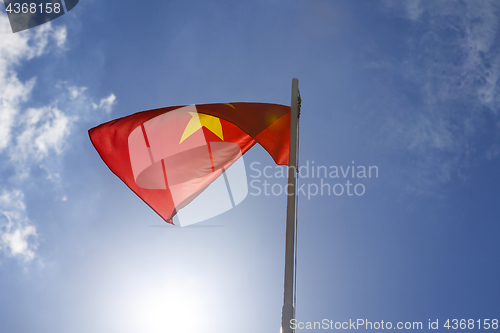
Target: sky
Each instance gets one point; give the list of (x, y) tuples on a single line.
[(409, 88)]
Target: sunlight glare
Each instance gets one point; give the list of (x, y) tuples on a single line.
[(174, 308)]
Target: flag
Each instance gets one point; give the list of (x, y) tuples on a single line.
[(169, 156)]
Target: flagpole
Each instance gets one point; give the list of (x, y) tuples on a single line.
[(288, 312)]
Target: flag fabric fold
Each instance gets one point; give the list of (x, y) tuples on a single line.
[(168, 156)]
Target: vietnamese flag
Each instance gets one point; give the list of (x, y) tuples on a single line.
[(168, 156)]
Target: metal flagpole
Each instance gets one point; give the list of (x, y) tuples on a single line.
[(288, 312)]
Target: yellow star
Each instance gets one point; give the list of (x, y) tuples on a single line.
[(200, 120)]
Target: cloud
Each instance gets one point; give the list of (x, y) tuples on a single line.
[(32, 136), (15, 48), (409, 9), (42, 130), (60, 34), (447, 80), (75, 92), (453, 50), (107, 103), (18, 235), (13, 93)]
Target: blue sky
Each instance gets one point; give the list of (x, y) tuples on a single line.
[(408, 86)]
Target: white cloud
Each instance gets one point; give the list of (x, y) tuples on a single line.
[(410, 9), (107, 103), (42, 130), (18, 235), (452, 65), (15, 48), (60, 35), (13, 93), (32, 136), (75, 92)]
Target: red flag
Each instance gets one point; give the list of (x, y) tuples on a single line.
[(168, 156)]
